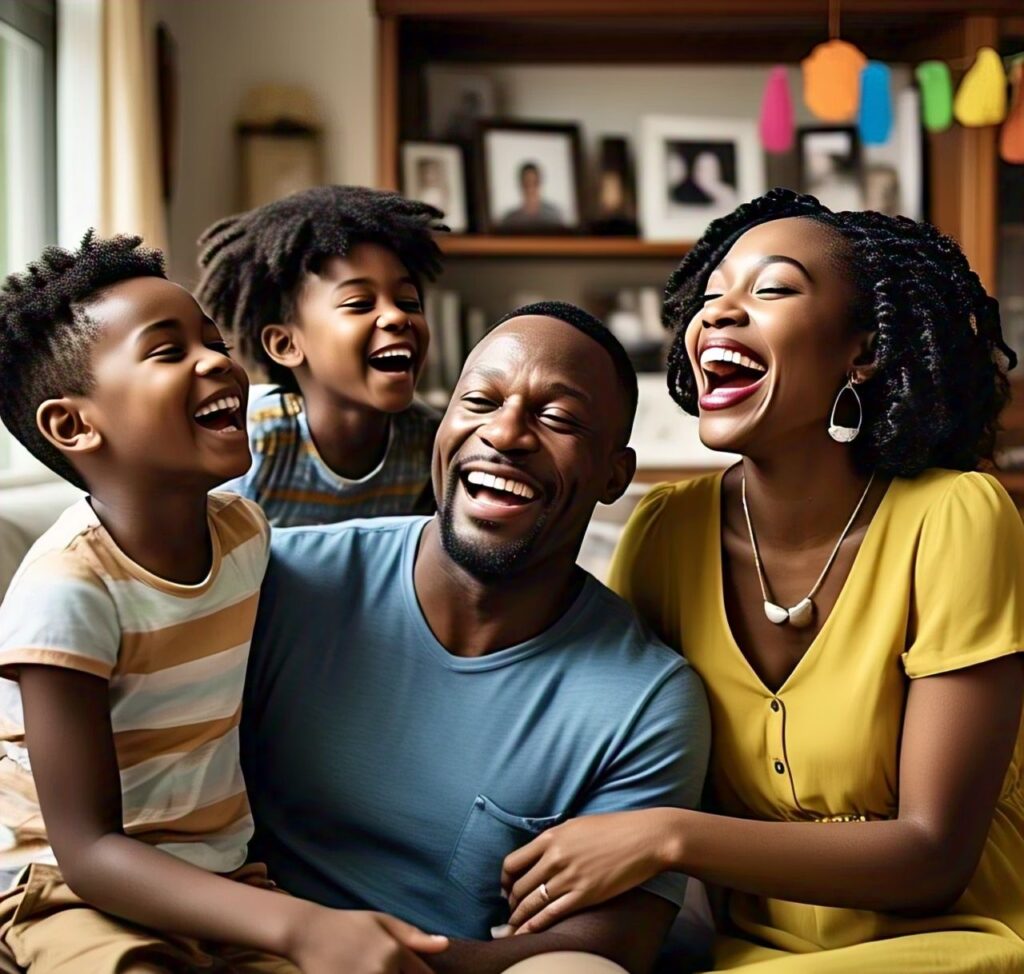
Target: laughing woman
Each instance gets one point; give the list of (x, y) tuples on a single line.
[(852, 594)]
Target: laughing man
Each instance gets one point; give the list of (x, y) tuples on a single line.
[(428, 694)]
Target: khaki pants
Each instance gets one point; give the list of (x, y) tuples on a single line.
[(566, 962), (51, 931)]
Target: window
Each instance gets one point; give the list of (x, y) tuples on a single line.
[(27, 160)]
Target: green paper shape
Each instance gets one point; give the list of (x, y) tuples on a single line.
[(936, 86)]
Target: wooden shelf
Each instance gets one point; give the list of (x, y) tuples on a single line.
[(484, 245)]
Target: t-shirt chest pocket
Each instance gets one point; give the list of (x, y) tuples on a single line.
[(488, 835)]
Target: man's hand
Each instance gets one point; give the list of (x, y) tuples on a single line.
[(326, 941)]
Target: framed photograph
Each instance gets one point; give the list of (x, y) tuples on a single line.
[(529, 177), (694, 170), (829, 161), (277, 160), (434, 173), (456, 101), (614, 210)]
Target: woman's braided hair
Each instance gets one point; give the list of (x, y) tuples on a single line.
[(47, 335), (254, 264), (940, 383)]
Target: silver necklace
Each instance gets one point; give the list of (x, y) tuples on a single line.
[(799, 616)]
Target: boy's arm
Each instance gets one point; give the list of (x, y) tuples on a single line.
[(74, 765)]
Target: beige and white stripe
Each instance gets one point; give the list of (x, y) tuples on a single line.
[(175, 658)]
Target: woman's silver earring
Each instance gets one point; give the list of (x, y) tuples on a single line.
[(845, 434)]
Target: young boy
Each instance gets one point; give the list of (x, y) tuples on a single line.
[(127, 630), (323, 289)]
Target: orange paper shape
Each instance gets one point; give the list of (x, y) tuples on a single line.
[(776, 125), (981, 97), (1011, 139), (832, 80)]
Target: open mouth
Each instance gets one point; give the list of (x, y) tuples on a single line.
[(498, 491), (730, 369), (396, 359), (223, 415)]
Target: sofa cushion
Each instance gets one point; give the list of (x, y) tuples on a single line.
[(13, 544)]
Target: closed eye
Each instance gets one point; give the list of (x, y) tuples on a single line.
[(561, 419), (776, 290), (220, 346), (710, 297), (478, 402), (167, 353)]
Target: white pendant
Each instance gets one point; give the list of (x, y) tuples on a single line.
[(801, 614), (843, 434)]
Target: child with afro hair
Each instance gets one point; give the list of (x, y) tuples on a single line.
[(324, 291)]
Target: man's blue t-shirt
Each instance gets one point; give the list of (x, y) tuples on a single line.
[(387, 774)]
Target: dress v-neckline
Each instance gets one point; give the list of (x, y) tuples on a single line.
[(813, 648)]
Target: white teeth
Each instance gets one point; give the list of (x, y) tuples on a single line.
[(393, 353), (229, 402), (718, 354), (506, 484)]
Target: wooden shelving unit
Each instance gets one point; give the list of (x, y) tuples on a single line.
[(484, 245), (648, 32), (961, 187)]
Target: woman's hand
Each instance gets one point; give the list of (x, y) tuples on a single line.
[(583, 862)]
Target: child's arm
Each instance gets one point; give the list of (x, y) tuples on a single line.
[(71, 747)]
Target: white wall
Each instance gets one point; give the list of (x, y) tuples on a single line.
[(226, 47)]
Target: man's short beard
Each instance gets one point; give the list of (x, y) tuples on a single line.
[(485, 562)]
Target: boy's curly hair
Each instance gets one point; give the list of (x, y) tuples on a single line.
[(940, 383), (253, 264), (46, 334)]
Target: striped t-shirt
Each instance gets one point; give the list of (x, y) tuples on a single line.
[(294, 486), (175, 657)]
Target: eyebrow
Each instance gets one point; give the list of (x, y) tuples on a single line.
[(775, 259), (170, 324), (555, 388), (367, 280), (166, 324)]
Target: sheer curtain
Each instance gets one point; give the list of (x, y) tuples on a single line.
[(131, 194)]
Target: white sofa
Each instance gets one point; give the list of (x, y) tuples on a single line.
[(25, 513)]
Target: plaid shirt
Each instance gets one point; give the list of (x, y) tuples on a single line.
[(294, 486)]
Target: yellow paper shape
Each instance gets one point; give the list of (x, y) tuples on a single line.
[(832, 80), (981, 97), (1011, 139)]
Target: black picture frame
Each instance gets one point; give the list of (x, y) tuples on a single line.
[(849, 166), (516, 222)]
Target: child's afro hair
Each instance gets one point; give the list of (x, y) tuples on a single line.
[(253, 264), (46, 334)]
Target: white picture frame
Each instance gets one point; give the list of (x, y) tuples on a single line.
[(694, 170), (435, 173)]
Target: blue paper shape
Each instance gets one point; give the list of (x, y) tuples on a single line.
[(875, 118)]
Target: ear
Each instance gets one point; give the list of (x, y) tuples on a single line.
[(863, 367), (279, 342), (66, 427), (623, 468)]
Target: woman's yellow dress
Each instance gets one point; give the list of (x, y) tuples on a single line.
[(937, 585)]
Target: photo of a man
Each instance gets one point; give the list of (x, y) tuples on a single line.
[(534, 210)]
